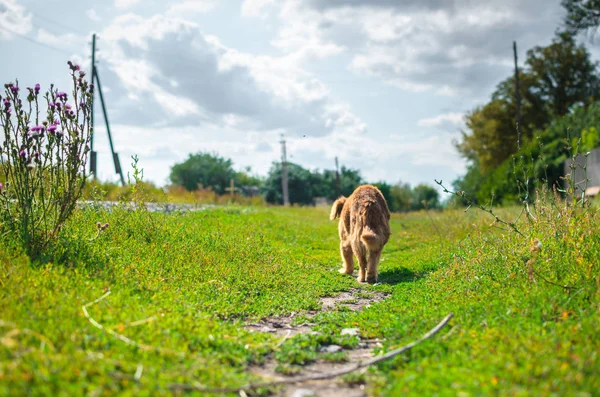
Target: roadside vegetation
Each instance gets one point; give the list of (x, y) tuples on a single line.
[(181, 287)]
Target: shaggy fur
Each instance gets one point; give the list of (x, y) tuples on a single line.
[(364, 229)]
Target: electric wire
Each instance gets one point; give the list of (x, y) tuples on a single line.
[(22, 36)]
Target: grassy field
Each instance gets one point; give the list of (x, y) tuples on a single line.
[(181, 287)]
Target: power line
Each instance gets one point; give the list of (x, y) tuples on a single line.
[(52, 30), (22, 36), (70, 29)]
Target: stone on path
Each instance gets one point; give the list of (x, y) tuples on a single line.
[(303, 393), (350, 331), (330, 349)]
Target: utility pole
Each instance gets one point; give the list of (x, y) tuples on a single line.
[(338, 185), (284, 174), (93, 158), (112, 148), (517, 96)]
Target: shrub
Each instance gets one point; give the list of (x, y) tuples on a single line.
[(42, 159)]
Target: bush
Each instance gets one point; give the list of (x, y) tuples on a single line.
[(42, 159), (540, 161)]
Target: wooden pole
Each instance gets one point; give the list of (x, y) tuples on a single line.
[(338, 184), (284, 174), (517, 96), (116, 161), (93, 156)]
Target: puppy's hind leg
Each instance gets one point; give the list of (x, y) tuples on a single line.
[(372, 266), (347, 258), (361, 254)]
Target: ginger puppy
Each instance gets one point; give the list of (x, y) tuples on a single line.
[(364, 229)]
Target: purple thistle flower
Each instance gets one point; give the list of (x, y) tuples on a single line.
[(6, 103), (56, 122), (14, 88), (1, 186), (51, 104), (22, 153), (52, 128), (36, 155), (68, 107), (36, 128)]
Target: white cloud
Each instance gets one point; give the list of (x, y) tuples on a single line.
[(93, 15), (453, 119), (255, 8), (214, 82), (448, 48), (69, 39), (13, 19), (301, 34), (184, 8), (122, 4)]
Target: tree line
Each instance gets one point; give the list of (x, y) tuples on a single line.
[(210, 171)]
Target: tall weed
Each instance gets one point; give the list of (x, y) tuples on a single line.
[(42, 159)]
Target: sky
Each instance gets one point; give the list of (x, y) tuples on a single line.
[(381, 84)]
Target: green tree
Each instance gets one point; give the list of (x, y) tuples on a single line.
[(492, 137), (589, 139), (582, 15), (304, 185), (470, 183), (350, 179), (401, 197), (325, 183), (245, 178), (541, 161), (563, 75), (425, 196), (555, 79), (386, 190), (300, 185), (203, 169)]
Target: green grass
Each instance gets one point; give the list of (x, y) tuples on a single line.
[(181, 286)]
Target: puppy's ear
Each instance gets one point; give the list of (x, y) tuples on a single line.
[(336, 209)]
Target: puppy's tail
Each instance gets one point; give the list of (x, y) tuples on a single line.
[(371, 239), (336, 209), (373, 234)]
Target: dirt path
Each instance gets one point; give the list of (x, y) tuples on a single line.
[(355, 300)]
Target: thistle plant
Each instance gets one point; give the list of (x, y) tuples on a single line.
[(42, 159)]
